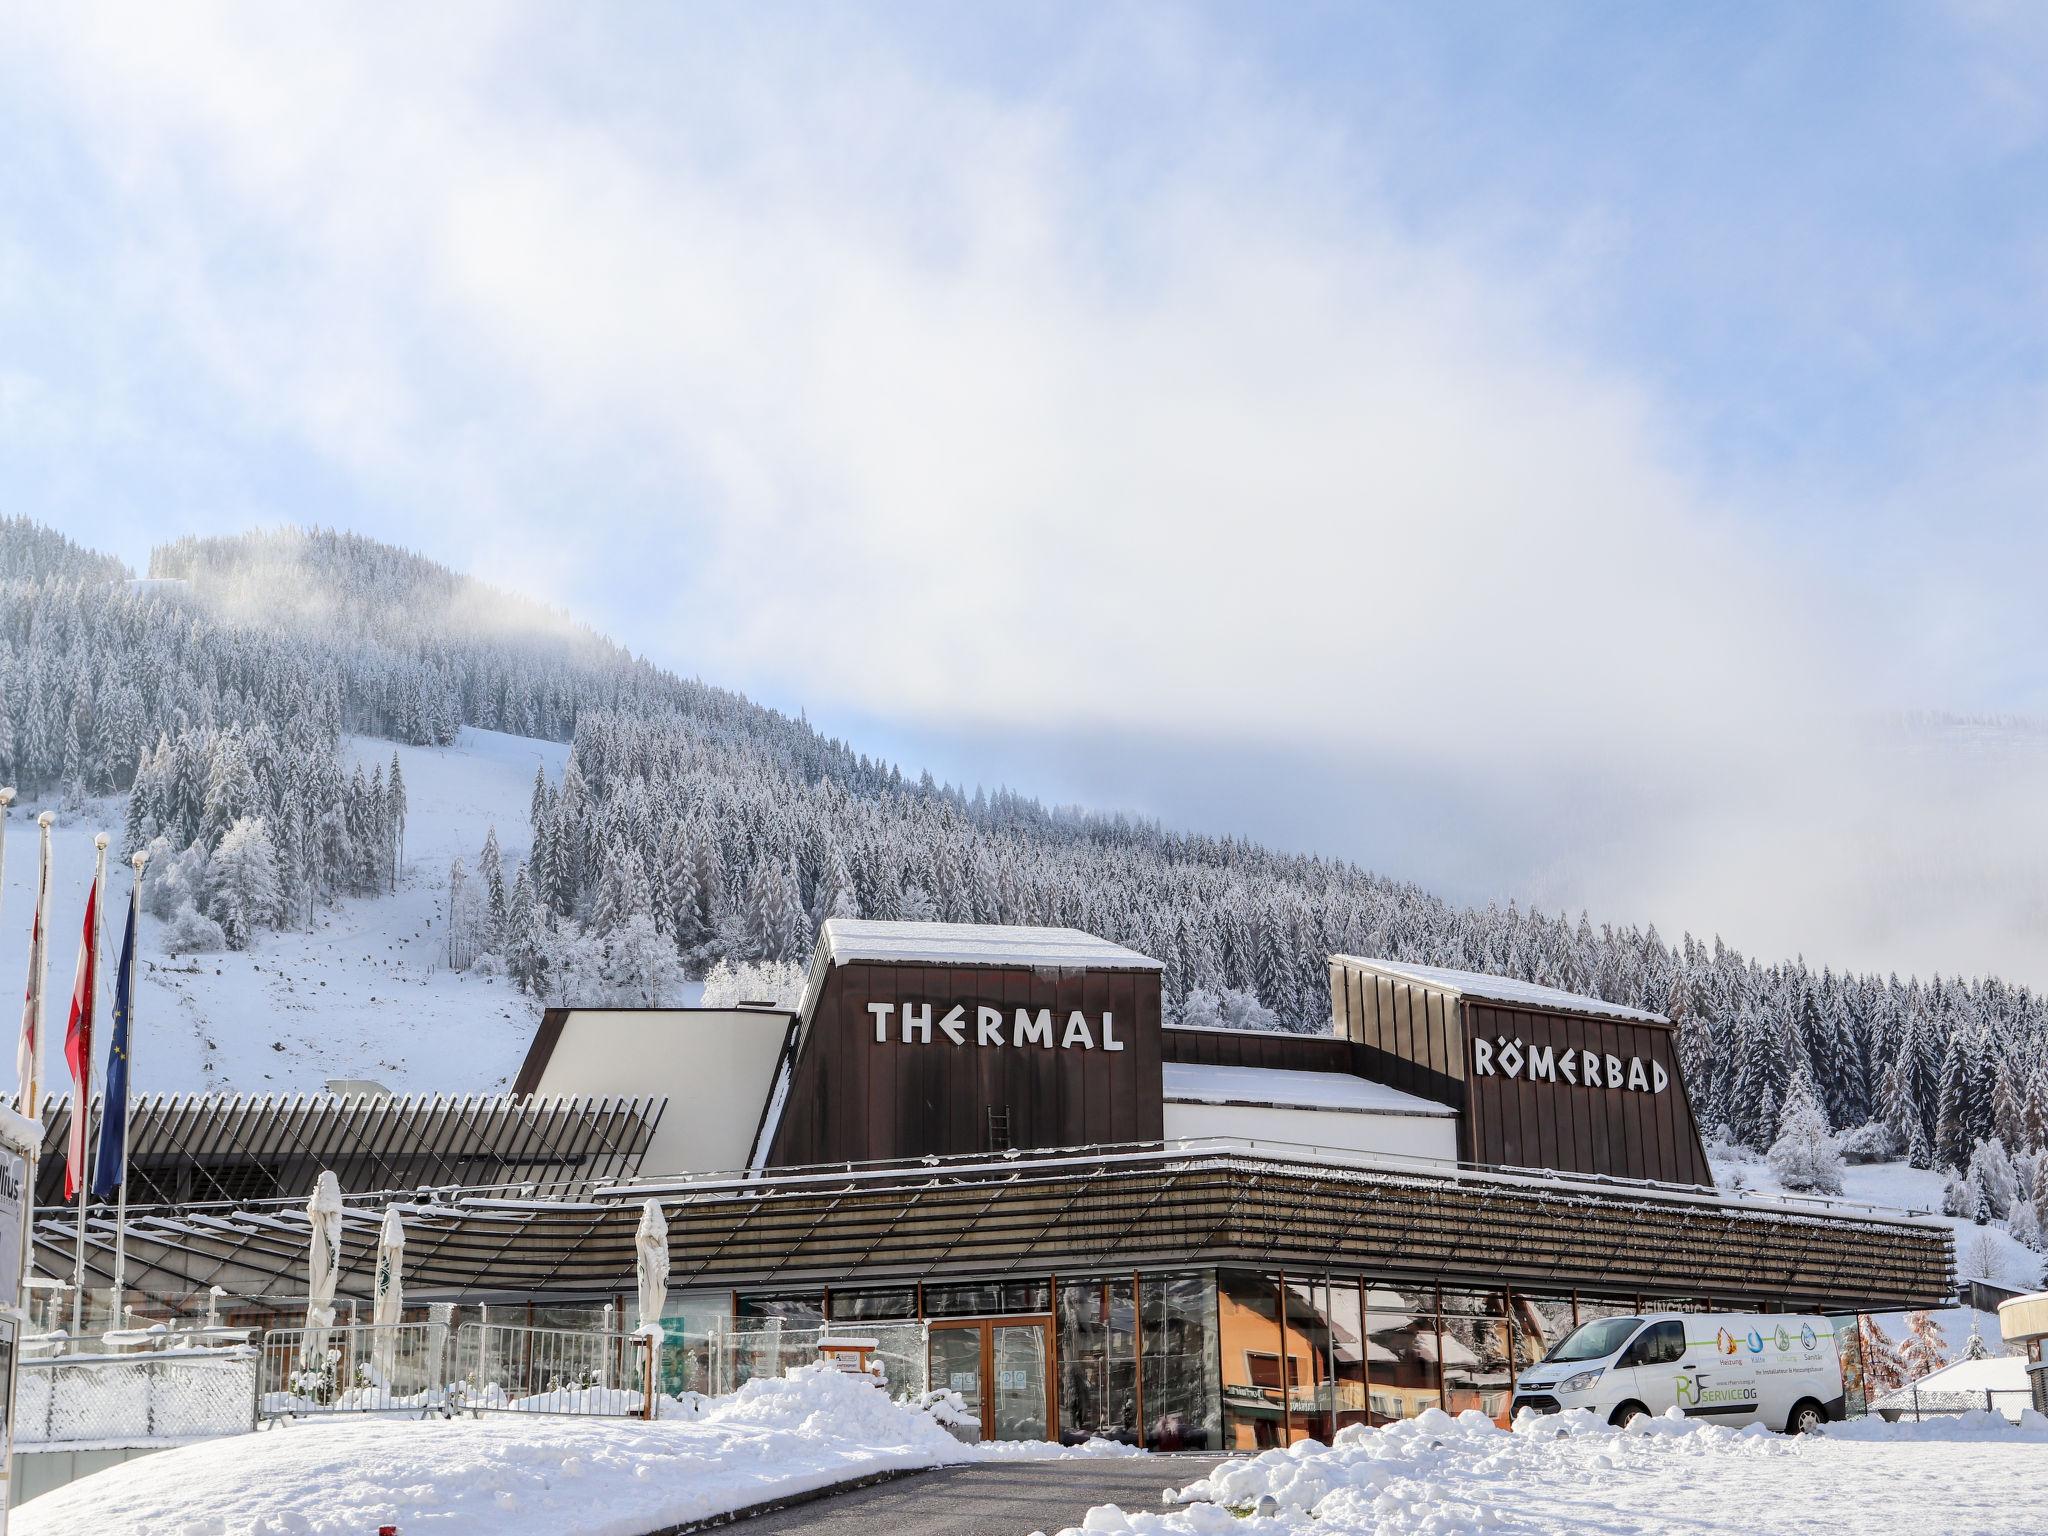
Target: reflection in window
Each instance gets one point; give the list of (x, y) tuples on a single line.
[(896, 1302), (1248, 1326), (1098, 1360), (1401, 1352), (1475, 1353), (1179, 1362), (1337, 1397)]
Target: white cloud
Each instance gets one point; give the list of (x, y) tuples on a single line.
[(947, 420)]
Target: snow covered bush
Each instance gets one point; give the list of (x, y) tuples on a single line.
[(1804, 1156), (1871, 1142), (2025, 1226), (1956, 1199), (1983, 1258), (192, 932), (779, 982), (1990, 1177), (1229, 1008), (172, 879)]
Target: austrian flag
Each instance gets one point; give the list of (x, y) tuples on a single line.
[(78, 1046)]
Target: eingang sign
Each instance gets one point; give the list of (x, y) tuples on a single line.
[(984, 1024), (1507, 1056)]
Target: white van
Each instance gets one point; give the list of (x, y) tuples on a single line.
[(1781, 1369)]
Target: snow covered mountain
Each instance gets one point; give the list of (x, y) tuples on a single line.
[(620, 830)]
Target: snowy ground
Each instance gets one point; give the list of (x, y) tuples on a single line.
[(515, 1476), (1573, 1474), (1982, 1253), (366, 994)]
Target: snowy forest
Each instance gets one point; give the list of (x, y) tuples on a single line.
[(692, 827)]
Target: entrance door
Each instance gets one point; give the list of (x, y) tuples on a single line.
[(1002, 1369)]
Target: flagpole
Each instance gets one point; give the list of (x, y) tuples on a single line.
[(127, 1091), (83, 1107), (38, 977)]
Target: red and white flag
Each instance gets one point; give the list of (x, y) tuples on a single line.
[(78, 1044)]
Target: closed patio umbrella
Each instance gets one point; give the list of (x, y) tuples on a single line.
[(389, 1299), (651, 1243), (323, 1267)]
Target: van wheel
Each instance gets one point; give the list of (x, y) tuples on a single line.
[(1627, 1414), (1807, 1416)]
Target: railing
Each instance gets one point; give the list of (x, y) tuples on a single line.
[(510, 1368), (1911, 1404), (354, 1368), (136, 1399)]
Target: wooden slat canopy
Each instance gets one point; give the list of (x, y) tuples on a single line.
[(1143, 1208)]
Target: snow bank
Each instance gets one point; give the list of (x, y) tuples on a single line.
[(1976, 1424), (1435, 1475), (516, 1474)]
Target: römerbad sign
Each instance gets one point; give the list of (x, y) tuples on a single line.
[(1507, 1056)]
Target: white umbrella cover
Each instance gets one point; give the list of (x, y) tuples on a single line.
[(323, 1267), (651, 1243), (389, 1299)]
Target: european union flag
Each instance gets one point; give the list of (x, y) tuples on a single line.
[(111, 1164)]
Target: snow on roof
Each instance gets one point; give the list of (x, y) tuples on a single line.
[(846, 938), (1194, 1083), (1994, 1373), (1500, 989)]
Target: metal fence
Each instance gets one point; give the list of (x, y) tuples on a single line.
[(354, 1368), (512, 1368), (171, 1394), (1912, 1404)]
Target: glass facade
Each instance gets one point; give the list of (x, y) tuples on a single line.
[(1201, 1360), (1402, 1378), (1177, 1362), (1098, 1359)]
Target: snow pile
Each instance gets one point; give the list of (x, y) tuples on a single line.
[(515, 1474), (1434, 1475), (1976, 1424)]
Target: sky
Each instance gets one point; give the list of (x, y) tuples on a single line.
[(1556, 453)]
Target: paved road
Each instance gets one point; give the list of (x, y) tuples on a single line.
[(986, 1499)]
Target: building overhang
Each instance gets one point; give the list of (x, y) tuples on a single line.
[(1091, 1209)]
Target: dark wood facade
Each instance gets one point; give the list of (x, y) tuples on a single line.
[(1431, 1041), (853, 1098)]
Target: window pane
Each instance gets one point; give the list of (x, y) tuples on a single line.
[(1179, 1362), (793, 1311), (975, 1299), (901, 1302), (1097, 1360), (1340, 1390), (1248, 1324), (1401, 1352), (1475, 1357)]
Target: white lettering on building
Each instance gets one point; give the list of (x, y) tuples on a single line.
[(912, 1024), (1505, 1056)]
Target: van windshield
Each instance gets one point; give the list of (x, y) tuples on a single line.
[(1596, 1340)]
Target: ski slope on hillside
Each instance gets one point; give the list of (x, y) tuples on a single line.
[(367, 993)]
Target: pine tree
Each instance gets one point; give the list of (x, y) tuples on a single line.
[(1952, 1140), (242, 882), (1804, 1155), (394, 795)]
